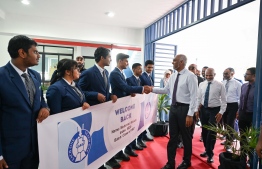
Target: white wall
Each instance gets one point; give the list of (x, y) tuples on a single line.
[(229, 40)]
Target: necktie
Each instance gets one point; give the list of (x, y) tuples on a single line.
[(246, 98), (105, 78), (30, 87), (78, 92), (227, 86), (151, 81), (138, 82), (175, 89), (207, 95), (123, 76)]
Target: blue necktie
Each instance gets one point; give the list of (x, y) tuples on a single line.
[(138, 82), (175, 89), (151, 81), (207, 95)]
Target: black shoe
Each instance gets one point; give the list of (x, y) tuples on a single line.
[(210, 160), (223, 143), (137, 147), (113, 163), (148, 139), (201, 139), (204, 154), (130, 153), (167, 166), (184, 165), (141, 144), (180, 145), (121, 156), (228, 149), (102, 167)]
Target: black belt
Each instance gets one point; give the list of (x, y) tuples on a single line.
[(232, 103), (212, 107), (180, 104)]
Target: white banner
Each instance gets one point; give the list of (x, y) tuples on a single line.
[(85, 139)]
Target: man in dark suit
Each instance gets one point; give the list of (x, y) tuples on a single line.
[(135, 81), (80, 64), (121, 88), (146, 79), (193, 69), (95, 85), (21, 106)]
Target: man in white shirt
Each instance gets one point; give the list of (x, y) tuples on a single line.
[(212, 104), (182, 86), (233, 90)]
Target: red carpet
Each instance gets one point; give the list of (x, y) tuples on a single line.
[(155, 156)]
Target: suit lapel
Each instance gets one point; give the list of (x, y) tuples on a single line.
[(17, 80), (121, 74), (70, 89), (99, 76)]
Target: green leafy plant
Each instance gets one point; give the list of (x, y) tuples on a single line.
[(249, 137), (163, 104)]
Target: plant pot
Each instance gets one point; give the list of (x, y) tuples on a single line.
[(158, 129), (227, 162)]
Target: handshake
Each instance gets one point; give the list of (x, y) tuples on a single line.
[(148, 89)]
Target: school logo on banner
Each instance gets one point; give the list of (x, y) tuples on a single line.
[(79, 146)]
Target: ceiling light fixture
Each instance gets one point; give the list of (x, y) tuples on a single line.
[(26, 2), (110, 14)]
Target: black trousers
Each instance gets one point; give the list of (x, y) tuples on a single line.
[(229, 117), (244, 122), (29, 162), (177, 125), (209, 137)]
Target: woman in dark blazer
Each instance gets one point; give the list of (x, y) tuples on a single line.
[(64, 94)]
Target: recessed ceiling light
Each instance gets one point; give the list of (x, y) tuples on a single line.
[(110, 14), (26, 2)]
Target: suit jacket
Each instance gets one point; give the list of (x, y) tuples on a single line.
[(145, 80), (132, 81), (199, 80), (61, 97), (91, 82), (18, 128), (119, 85)]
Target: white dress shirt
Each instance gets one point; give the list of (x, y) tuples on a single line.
[(234, 90), (217, 95), (20, 72), (186, 89), (101, 70)]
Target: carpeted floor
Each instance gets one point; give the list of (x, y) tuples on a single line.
[(155, 157)]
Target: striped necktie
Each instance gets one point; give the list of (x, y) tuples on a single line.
[(78, 92), (30, 87), (207, 95)]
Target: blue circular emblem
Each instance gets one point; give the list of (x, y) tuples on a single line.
[(79, 146)]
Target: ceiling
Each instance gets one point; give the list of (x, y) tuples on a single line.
[(128, 13)]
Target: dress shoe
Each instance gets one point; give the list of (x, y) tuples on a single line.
[(201, 139), (204, 154), (228, 149), (121, 156), (102, 167), (148, 139), (223, 143), (180, 145), (137, 147), (167, 166), (210, 160), (130, 153), (113, 163), (184, 165), (141, 144)]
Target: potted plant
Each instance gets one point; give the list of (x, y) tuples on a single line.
[(236, 158), (160, 128)]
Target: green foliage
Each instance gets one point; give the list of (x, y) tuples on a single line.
[(44, 87), (249, 137), (163, 104)]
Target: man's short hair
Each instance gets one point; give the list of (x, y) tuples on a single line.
[(101, 51), (19, 42), (252, 70), (135, 65), (231, 70), (149, 62), (121, 56), (205, 67)]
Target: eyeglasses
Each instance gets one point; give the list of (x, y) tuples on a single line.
[(247, 74)]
